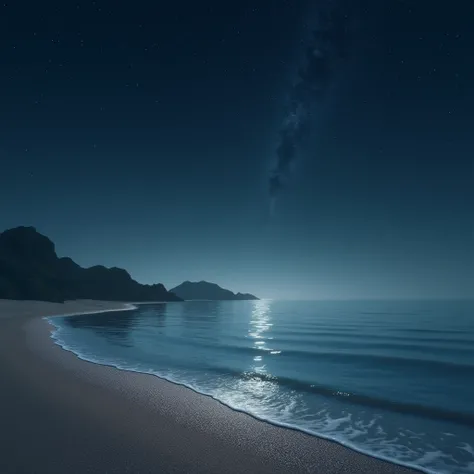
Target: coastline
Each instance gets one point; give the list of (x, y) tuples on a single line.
[(63, 414)]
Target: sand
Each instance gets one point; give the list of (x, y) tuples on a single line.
[(60, 414)]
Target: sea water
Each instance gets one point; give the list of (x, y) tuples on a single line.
[(394, 379)]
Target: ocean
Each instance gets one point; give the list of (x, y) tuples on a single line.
[(393, 379)]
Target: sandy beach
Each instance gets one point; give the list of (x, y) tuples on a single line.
[(60, 414)]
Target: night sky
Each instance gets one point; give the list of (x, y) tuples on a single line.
[(173, 139)]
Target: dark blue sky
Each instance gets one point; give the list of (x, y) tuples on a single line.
[(143, 135)]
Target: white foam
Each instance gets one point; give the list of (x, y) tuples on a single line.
[(126, 307)]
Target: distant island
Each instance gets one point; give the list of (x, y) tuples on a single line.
[(31, 270), (203, 290)]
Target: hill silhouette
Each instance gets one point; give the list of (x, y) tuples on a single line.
[(203, 290), (31, 270)]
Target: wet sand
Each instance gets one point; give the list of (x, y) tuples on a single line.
[(60, 414)]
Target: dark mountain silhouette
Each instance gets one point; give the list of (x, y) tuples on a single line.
[(204, 290), (31, 270)]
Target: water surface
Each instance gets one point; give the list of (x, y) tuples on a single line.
[(394, 379)]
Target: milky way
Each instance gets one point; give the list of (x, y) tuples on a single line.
[(325, 48)]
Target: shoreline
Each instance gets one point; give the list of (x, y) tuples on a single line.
[(161, 425)]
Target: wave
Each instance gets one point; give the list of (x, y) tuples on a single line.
[(365, 336), (364, 385), (433, 331), (342, 342), (390, 313), (58, 341), (394, 361), (366, 345), (351, 358), (463, 418)]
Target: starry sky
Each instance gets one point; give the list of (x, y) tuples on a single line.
[(146, 135)]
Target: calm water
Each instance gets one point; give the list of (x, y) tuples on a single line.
[(393, 379)]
